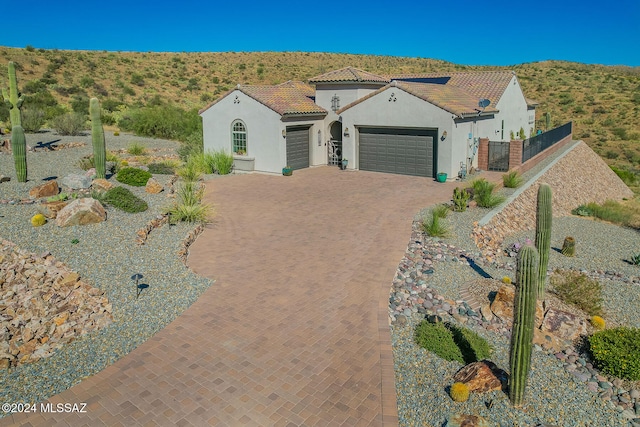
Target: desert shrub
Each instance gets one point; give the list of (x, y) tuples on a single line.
[(577, 289), (441, 210), (133, 176), (88, 162), (189, 206), (616, 352), (611, 155), (164, 168), (635, 259), (627, 176), (432, 226), (32, 120), (69, 124), (512, 179), (162, 121), (190, 172), (191, 145), (123, 199), (484, 195), (451, 342), (582, 210), (136, 149), (220, 161), (80, 104)]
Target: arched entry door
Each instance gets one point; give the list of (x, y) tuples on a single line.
[(334, 146)]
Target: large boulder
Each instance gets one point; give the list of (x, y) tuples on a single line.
[(564, 325), (81, 212), (467, 420), (153, 186), (482, 377), (502, 305), (51, 209), (76, 181), (101, 184), (45, 190)]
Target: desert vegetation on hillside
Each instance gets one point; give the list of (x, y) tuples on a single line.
[(158, 94)]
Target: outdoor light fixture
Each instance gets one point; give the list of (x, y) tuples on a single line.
[(284, 133), (139, 286), (319, 138), (444, 136), (346, 132)]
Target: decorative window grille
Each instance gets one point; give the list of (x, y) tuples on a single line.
[(335, 103)]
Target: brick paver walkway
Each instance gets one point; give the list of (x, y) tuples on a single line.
[(294, 331)]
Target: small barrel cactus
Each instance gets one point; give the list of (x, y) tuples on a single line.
[(569, 246), (459, 392), (38, 219), (598, 323), (506, 280)]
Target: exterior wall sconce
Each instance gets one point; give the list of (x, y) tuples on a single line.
[(319, 138), (284, 133), (444, 136), (346, 132)]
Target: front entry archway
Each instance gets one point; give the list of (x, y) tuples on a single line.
[(334, 147)]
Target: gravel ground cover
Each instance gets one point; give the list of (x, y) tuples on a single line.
[(558, 393), (106, 256)]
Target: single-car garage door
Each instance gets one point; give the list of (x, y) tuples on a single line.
[(298, 147), (401, 151)]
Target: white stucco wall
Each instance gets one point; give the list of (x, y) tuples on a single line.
[(514, 112), (407, 111), (347, 93), (466, 133), (264, 132)]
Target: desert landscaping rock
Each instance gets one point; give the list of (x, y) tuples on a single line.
[(76, 181), (105, 256), (45, 190), (153, 186), (81, 212)]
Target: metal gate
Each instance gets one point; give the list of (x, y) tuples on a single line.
[(334, 148), (499, 156)]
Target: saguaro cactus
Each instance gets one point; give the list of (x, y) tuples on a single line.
[(547, 120), (19, 148), (13, 99), (544, 216), (97, 136), (524, 317)]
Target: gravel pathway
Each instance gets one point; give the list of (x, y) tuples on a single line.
[(106, 256)]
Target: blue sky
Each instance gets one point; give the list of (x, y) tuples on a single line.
[(482, 32)]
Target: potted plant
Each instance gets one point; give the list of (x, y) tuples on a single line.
[(344, 164), (287, 171), (441, 177)]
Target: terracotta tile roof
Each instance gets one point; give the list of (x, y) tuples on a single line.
[(304, 88), (348, 74), (480, 84), (450, 98), (285, 99)]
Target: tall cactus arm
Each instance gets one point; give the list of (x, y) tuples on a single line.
[(524, 317), (544, 218), (97, 137)]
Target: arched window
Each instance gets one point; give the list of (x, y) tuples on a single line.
[(239, 137)]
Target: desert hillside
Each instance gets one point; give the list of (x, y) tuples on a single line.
[(603, 101)]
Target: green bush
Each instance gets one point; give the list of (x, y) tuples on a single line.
[(123, 199), (32, 120), (616, 352), (627, 176), (189, 206), (512, 179), (220, 161), (133, 176), (164, 168), (452, 342), (191, 145), (162, 121), (484, 195), (136, 149), (440, 211), (191, 171), (433, 226), (577, 289), (69, 124)]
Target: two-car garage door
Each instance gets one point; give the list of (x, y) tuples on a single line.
[(401, 151)]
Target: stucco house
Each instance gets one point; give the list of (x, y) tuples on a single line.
[(407, 124)]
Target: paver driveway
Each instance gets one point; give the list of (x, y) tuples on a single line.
[(294, 331)]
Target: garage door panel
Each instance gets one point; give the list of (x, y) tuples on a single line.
[(298, 147), (401, 151)]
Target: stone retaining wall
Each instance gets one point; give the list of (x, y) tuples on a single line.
[(580, 177)]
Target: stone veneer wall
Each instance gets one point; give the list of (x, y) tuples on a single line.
[(580, 177)]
